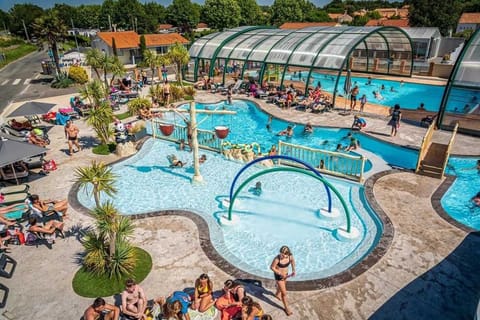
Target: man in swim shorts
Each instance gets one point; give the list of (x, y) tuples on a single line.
[(100, 310), (71, 133), (134, 300)]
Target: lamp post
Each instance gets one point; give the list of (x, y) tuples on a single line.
[(26, 31)]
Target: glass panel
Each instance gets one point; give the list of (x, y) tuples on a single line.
[(469, 69), (203, 68), (282, 50), (296, 78), (463, 106), (242, 51), (333, 55), (213, 44), (272, 76), (233, 70), (196, 47), (218, 69), (229, 46), (305, 54), (259, 53), (252, 71), (190, 70)]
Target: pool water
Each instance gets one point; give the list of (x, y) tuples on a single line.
[(457, 200), (409, 95), (286, 213), (250, 125)]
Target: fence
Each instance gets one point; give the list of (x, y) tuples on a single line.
[(334, 163), (427, 140)]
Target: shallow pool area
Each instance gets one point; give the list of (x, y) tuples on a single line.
[(249, 125), (457, 200), (286, 213)]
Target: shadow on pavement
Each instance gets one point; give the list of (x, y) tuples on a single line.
[(450, 290)]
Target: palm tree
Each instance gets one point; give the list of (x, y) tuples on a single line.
[(94, 58), (100, 177), (178, 55), (107, 248), (52, 28), (117, 69), (99, 119), (152, 60), (94, 92)]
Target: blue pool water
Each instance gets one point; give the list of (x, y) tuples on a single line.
[(457, 200), (285, 214), (249, 125)]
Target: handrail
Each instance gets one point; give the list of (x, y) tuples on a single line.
[(426, 141), (334, 163), (449, 148)]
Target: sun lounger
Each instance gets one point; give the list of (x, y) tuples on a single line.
[(14, 198), (22, 188), (19, 213), (9, 175)]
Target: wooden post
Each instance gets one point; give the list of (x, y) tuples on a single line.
[(197, 177)]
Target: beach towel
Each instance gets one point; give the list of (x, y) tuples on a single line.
[(210, 314)]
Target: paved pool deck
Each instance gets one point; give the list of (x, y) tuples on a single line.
[(430, 270)]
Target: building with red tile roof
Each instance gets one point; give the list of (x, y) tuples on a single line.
[(469, 21), (128, 43), (401, 23)]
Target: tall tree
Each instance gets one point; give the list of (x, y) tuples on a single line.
[(88, 16), (183, 14), (250, 12), (114, 47), (23, 13), (4, 20), (287, 11), (154, 14), (65, 12), (51, 28), (108, 14), (99, 177), (432, 13), (317, 15), (128, 14), (221, 14)]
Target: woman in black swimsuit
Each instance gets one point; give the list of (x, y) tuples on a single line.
[(279, 267)]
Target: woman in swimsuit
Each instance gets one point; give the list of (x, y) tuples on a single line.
[(203, 293), (279, 267), (251, 310)]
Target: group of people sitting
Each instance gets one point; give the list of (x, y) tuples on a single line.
[(44, 221), (316, 101), (232, 304)]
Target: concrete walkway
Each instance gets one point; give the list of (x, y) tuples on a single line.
[(429, 272)]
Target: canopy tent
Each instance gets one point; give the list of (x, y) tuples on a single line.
[(32, 107), (12, 151), (298, 57)]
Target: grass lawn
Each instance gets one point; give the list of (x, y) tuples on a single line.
[(122, 116), (15, 52), (87, 285)]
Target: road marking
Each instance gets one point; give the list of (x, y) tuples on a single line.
[(5, 82), (27, 81), (17, 81)]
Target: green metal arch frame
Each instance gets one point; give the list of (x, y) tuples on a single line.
[(451, 79), (212, 59), (262, 70), (287, 63), (296, 170), (365, 36), (318, 53), (227, 60), (195, 66)]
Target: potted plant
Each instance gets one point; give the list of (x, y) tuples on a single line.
[(138, 130)]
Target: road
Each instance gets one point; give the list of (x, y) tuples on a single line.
[(23, 80)]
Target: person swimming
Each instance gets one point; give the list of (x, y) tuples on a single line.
[(257, 190), (476, 199), (308, 128), (286, 132)]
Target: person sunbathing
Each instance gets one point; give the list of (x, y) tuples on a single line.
[(145, 113), (49, 228), (36, 140), (49, 205), (10, 209), (17, 125)]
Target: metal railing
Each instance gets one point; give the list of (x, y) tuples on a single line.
[(329, 162), (206, 139), (449, 148)]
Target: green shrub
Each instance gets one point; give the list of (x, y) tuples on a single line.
[(78, 74), (176, 92), (136, 104), (86, 284), (61, 81), (189, 91), (104, 149)]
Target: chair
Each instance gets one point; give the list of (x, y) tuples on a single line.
[(5, 295), (14, 198), (4, 261), (21, 188)]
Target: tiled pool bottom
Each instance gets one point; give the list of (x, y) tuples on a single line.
[(286, 213)]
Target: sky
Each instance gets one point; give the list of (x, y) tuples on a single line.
[(5, 5)]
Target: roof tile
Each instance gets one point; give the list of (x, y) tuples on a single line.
[(472, 17), (300, 25), (130, 39)]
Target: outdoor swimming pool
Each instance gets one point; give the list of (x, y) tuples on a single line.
[(249, 125), (456, 201), (285, 214), (409, 95)]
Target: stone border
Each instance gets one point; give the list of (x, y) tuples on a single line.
[(436, 200), (205, 242)]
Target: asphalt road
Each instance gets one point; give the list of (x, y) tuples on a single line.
[(23, 80)]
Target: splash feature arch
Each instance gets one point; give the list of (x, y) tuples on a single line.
[(251, 163), (344, 232)]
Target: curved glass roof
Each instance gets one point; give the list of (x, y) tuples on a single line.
[(468, 67), (318, 47)]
